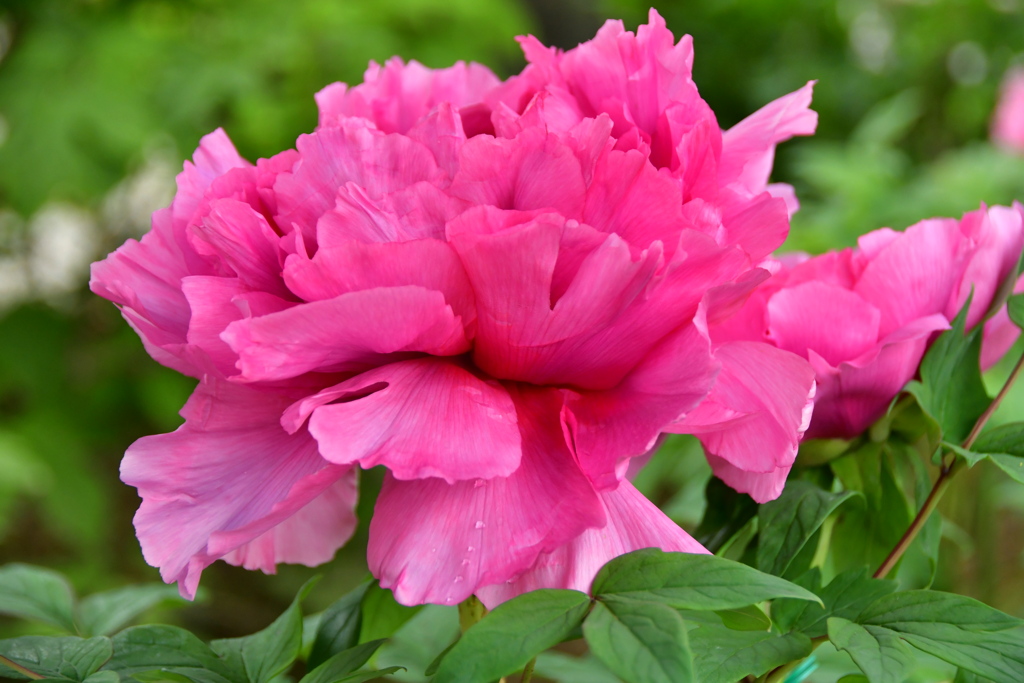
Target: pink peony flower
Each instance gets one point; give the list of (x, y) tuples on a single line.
[(864, 317), (499, 304), (1008, 120)]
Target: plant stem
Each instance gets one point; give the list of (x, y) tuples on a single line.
[(20, 669), (471, 610), (949, 468), (528, 671)]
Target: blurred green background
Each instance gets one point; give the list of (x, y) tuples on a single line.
[(101, 100)]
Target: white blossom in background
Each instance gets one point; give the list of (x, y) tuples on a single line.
[(128, 206), (63, 240)]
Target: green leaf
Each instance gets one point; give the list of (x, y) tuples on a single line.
[(846, 596), (750, 618), (1003, 445), (951, 389), (36, 593), (436, 663), (105, 613), (956, 629), (690, 581), (963, 676), (513, 634), (564, 668), (641, 642), (363, 676), (722, 655), (339, 626), (103, 677), (878, 652), (142, 649), (160, 676), (1015, 309), (68, 658), (271, 652), (343, 663), (726, 514), (382, 615), (789, 521)]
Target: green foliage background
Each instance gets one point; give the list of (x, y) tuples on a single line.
[(96, 93)]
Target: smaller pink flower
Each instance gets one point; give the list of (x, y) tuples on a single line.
[(864, 317), (1008, 121)]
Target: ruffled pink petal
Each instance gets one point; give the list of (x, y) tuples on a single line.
[(352, 152), (419, 418), (633, 523), (215, 156), (353, 331), (997, 237), (350, 266), (835, 323), (439, 543), (607, 428), (757, 412), (913, 274), (397, 95), (999, 334), (786, 193), (748, 148), (854, 394), (761, 486), (759, 225), (310, 537), (224, 478)]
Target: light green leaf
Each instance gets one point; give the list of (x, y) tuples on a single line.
[(690, 581), (1003, 445), (513, 634), (105, 613), (641, 642), (381, 614), (951, 389), (565, 668), (789, 521), (1015, 309), (36, 593), (271, 652), (878, 652), (750, 618), (69, 658), (103, 677), (363, 676), (722, 655), (846, 596), (339, 626), (343, 663), (140, 650)]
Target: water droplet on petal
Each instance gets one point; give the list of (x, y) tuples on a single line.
[(470, 549), (458, 579), (478, 483), (479, 524)]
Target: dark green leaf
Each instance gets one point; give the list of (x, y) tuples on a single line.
[(951, 390), (105, 613), (956, 629), (103, 677), (1015, 308), (642, 642), (271, 652), (37, 593), (689, 581), (877, 651), (339, 626), (790, 520), (343, 663), (513, 634), (750, 618), (722, 655), (143, 649), (564, 668), (69, 658), (785, 612), (160, 676), (1003, 445), (434, 665), (382, 615), (846, 596), (727, 512), (363, 676), (963, 676)]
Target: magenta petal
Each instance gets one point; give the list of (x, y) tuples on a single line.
[(997, 235), (224, 478), (436, 542), (345, 333), (835, 323), (426, 418), (311, 536), (758, 410), (609, 427), (633, 523), (1000, 333), (761, 486)]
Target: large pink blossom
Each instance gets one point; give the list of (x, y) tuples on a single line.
[(864, 317), (498, 292), (1008, 120)]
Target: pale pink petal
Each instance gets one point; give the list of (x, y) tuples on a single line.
[(1008, 121), (748, 148), (436, 542), (353, 331), (609, 427), (786, 193), (419, 418), (997, 236), (761, 486), (835, 323), (999, 334), (224, 478), (349, 266), (311, 536), (757, 412), (633, 523)]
